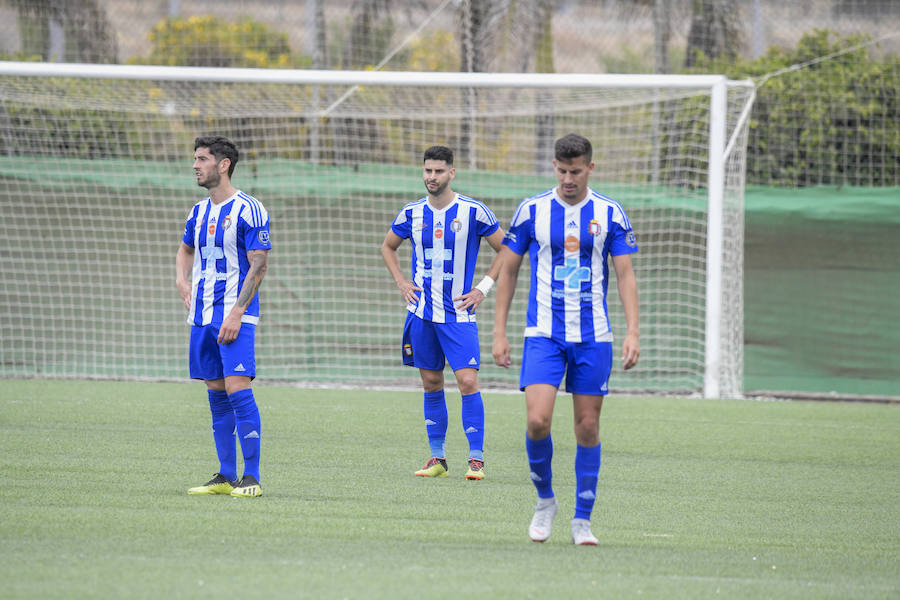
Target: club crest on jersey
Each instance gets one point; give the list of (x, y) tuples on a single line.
[(594, 227), (227, 222), (407, 349), (455, 225), (572, 244)]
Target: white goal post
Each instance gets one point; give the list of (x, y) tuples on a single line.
[(95, 180)]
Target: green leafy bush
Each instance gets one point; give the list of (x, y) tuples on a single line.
[(833, 122), (211, 42)]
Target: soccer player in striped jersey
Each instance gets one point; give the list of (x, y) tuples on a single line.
[(219, 266), (445, 230), (568, 232)]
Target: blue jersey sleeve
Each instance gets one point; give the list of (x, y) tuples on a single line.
[(519, 235), (487, 222), (623, 239), (402, 225), (257, 238), (189, 228), (253, 221)]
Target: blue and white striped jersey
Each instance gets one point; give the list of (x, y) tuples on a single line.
[(221, 235), (568, 248), (444, 248)]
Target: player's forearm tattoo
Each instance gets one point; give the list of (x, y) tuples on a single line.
[(258, 266)]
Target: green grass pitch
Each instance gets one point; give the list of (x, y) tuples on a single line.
[(697, 499)]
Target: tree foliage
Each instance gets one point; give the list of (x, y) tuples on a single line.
[(211, 42), (86, 32), (834, 121)]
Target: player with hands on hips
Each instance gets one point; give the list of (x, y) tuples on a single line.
[(445, 230)]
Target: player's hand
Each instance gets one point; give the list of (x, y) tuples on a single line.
[(631, 351), (470, 300), (409, 289), (230, 328), (184, 289), (500, 351)]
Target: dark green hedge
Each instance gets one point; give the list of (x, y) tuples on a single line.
[(833, 122)]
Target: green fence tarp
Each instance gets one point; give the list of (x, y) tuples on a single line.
[(822, 265), (822, 290)]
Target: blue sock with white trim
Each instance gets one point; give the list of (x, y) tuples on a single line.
[(435, 409), (223, 432), (587, 469), (249, 429), (473, 423), (540, 458)]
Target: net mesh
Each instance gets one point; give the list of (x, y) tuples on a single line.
[(96, 184)]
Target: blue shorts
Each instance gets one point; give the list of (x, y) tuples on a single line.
[(210, 360), (586, 365), (425, 344)]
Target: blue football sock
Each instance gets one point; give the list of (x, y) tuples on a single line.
[(248, 427), (223, 432), (473, 423), (587, 467), (540, 457), (435, 409)]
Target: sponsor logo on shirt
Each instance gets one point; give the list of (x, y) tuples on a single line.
[(430, 254), (210, 275), (572, 273), (211, 230), (572, 224), (427, 274), (438, 230), (572, 244), (563, 294)]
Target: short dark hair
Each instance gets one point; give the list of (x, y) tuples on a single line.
[(439, 153), (220, 147), (572, 146)]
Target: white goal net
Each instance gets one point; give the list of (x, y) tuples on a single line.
[(96, 183)]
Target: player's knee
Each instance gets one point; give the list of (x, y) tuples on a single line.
[(468, 383), (587, 431), (432, 381), (538, 426)]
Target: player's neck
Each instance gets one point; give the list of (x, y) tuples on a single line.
[(221, 193), (441, 202), (572, 202)]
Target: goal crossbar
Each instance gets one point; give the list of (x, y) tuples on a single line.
[(383, 78)]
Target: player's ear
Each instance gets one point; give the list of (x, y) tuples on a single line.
[(224, 164)]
